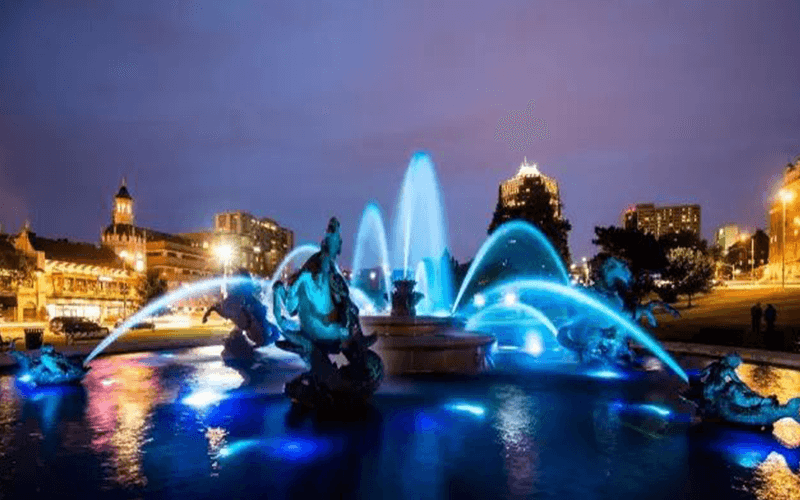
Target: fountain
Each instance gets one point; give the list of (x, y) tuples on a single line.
[(426, 328)]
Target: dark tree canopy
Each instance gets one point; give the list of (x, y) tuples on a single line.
[(540, 212), (682, 239), (640, 250)]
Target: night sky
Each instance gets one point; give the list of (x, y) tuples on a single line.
[(302, 110)]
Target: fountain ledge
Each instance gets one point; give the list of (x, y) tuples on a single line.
[(428, 344)]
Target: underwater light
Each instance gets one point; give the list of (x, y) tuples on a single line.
[(291, 449), (604, 373), (203, 398), (510, 298), (479, 300), (664, 412), (25, 378), (475, 410)]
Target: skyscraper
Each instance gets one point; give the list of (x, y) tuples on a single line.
[(516, 192)]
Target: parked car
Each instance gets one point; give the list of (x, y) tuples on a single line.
[(142, 325), (83, 327), (58, 323)]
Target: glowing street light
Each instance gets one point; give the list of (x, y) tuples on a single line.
[(786, 196), (224, 253)]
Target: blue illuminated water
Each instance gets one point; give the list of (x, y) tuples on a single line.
[(419, 235), (186, 426), (516, 249), (371, 236)]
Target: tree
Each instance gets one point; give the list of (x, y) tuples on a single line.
[(152, 287), (690, 271), (539, 211), (640, 250), (682, 239)]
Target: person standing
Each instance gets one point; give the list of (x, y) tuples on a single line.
[(770, 315), (755, 317)]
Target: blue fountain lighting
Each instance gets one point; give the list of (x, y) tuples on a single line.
[(509, 313), (514, 231), (201, 399), (420, 231), (469, 408), (295, 449), (749, 449), (605, 373), (300, 253), (195, 289), (594, 307), (372, 230)]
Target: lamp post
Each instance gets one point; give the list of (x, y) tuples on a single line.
[(786, 196), (744, 238), (585, 270)]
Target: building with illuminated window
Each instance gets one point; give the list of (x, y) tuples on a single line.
[(518, 190), (256, 244), (726, 236), (177, 259), (784, 219), (68, 278), (658, 221)]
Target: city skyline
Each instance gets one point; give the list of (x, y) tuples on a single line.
[(233, 109)]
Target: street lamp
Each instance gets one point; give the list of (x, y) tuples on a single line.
[(744, 238), (786, 196), (585, 270)]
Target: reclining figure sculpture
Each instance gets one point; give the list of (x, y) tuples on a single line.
[(48, 368), (594, 343), (720, 394), (329, 324)]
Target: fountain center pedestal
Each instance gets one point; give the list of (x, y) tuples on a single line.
[(425, 344)]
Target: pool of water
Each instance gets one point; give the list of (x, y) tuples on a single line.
[(183, 425)]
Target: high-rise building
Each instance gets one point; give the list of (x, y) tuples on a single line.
[(658, 221), (784, 219), (726, 236), (516, 191), (256, 244)]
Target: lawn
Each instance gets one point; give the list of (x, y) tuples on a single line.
[(723, 316)]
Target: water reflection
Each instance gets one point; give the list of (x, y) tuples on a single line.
[(773, 480), (768, 380), (516, 424), (120, 416)]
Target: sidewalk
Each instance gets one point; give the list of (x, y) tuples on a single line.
[(774, 358), (135, 341)]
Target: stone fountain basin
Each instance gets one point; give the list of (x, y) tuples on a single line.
[(427, 344)]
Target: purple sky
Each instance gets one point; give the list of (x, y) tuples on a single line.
[(298, 112)]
